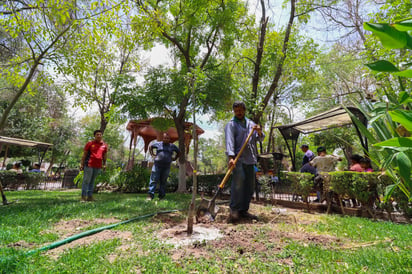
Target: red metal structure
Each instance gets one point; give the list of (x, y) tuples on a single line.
[(144, 129)]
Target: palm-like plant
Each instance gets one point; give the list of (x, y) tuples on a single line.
[(391, 121)]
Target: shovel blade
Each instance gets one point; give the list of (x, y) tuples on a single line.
[(208, 207), (207, 210)]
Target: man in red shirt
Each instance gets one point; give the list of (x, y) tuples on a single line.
[(93, 160)]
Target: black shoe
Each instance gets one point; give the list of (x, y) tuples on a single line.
[(248, 216), (233, 216), (316, 201)]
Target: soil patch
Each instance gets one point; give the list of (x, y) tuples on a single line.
[(248, 237), (71, 227), (276, 228), (21, 244), (105, 235)]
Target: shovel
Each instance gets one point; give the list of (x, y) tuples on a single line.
[(208, 208)]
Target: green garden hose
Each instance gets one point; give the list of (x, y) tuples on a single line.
[(93, 231)]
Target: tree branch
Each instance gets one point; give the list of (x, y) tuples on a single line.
[(279, 69)]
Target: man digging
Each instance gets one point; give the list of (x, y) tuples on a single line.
[(243, 178)]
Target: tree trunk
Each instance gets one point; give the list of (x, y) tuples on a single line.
[(195, 152), (103, 123), (279, 70), (259, 51), (180, 127)]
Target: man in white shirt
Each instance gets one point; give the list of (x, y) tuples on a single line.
[(323, 163)]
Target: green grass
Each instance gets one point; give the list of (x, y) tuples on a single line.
[(362, 246)]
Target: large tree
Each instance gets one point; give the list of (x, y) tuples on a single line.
[(35, 34), (40, 116), (98, 60), (200, 35), (39, 28), (272, 60)]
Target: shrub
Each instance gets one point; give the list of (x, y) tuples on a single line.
[(208, 183), (33, 179), (27, 180), (173, 181), (265, 185), (302, 183), (360, 185), (134, 180), (402, 203), (341, 182)]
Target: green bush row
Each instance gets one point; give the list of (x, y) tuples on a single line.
[(363, 186), (135, 180), (27, 180), (366, 187), (208, 184), (301, 183)]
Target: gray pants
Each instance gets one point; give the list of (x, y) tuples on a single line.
[(242, 188)]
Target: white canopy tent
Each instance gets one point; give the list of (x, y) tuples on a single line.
[(333, 118), (40, 146)]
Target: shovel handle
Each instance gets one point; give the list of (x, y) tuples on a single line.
[(2, 195), (229, 171)]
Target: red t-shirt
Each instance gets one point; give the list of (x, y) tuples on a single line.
[(96, 151)]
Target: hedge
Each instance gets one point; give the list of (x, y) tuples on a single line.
[(208, 184), (27, 180), (366, 187)]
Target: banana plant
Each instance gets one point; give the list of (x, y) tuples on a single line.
[(391, 121)]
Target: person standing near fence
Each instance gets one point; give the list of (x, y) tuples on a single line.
[(164, 154), (309, 155), (323, 163), (36, 168), (17, 168), (93, 161)]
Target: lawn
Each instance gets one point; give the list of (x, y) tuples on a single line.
[(283, 240)]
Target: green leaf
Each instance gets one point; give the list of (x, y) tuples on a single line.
[(402, 142), (404, 73), (387, 161), (388, 191), (390, 37), (409, 40), (403, 97), (403, 117), (383, 65), (162, 124), (403, 25), (404, 164)]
